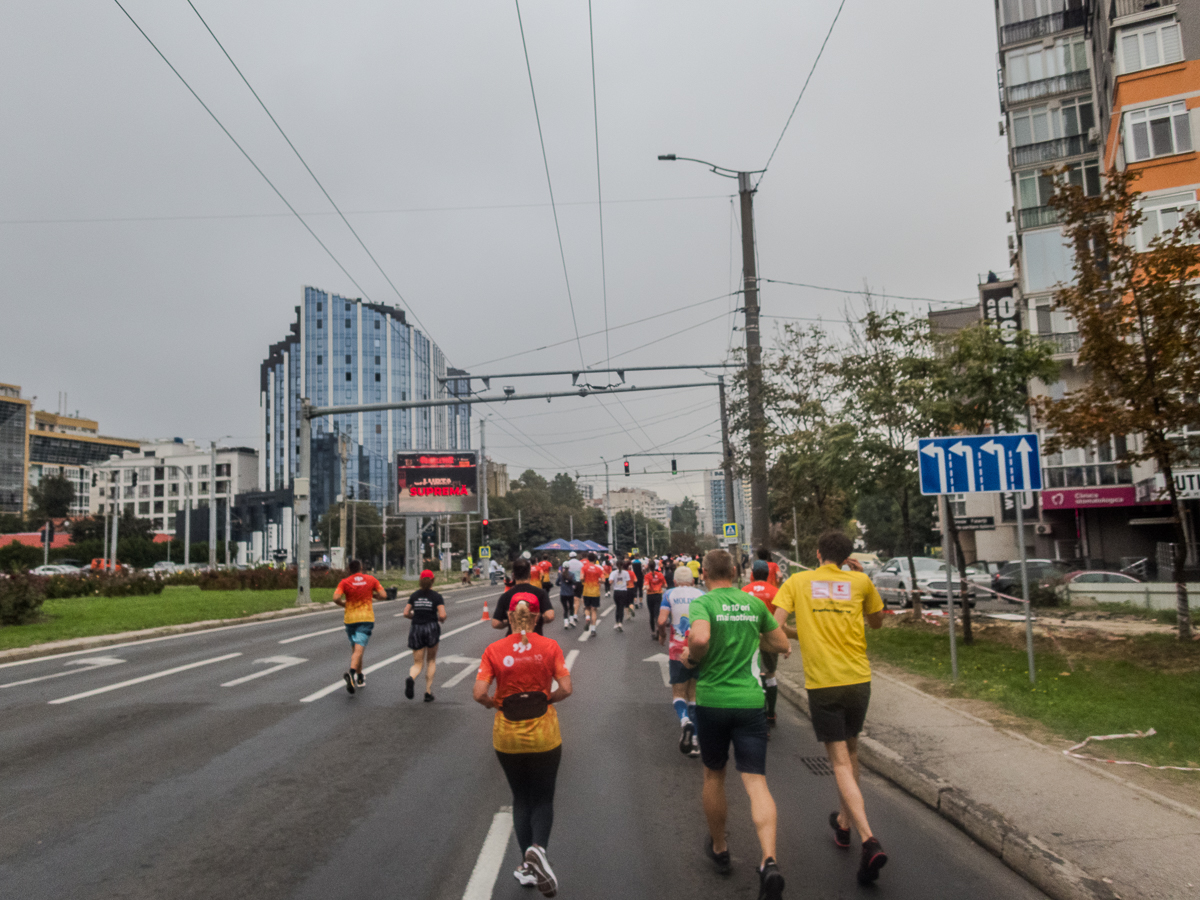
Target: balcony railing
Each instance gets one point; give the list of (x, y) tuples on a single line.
[(1063, 343), (1042, 26), (1046, 151), (1037, 216), (1132, 7), (1049, 87)]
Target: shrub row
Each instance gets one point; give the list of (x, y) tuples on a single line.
[(21, 596), (263, 579)]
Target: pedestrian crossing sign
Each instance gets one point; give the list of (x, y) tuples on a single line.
[(731, 530), (485, 552)]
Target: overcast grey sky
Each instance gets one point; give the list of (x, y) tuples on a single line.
[(147, 266)]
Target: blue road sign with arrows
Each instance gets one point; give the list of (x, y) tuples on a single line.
[(980, 464)]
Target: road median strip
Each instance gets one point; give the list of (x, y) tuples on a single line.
[(1029, 857)]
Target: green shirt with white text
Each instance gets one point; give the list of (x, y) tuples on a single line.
[(736, 621)]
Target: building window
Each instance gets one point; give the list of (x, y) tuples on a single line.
[(222, 487), (1038, 62), (1146, 48), (144, 509), (378, 429), (1034, 189), (143, 490), (158, 490), (318, 306), (347, 307), (158, 506), (187, 470), (320, 324), (173, 472), (348, 322), (320, 359), (1040, 123), (172, 506), (203, 471), (204, 487), (158, 524), (376, 360), (347, 359), (1090, 466), (1163, 213), (128, 492), (377, 377), (1085, 175), (159, 472), (347, 376), (173, 489), (1158, 131), (223, 468)]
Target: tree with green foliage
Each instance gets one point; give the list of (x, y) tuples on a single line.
[(52, 498), (685, 516), (1135, 304), (369, 541)]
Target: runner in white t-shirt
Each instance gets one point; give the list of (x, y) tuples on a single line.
[(673, 626)]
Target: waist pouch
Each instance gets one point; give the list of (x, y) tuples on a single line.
[(530, 705)]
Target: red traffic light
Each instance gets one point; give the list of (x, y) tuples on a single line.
[(626, 468)]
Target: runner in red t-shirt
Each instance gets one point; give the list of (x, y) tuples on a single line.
[(762, 588), (354, 594), (772, 568), (525, 733), (656, 583)]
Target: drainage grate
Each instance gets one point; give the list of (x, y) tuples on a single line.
[(818, 765)]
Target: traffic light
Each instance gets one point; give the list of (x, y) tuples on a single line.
[(674, 469), (485, 531), (626, 468)]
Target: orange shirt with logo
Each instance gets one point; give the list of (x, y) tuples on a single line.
[(518, 669), (764, 591), (656, 583), (359, 590)]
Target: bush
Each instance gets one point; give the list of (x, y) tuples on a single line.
[(1043, 595), (264, 578), (58, 587), (21, 597)]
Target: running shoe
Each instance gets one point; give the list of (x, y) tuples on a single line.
[(770, 881), (873, 859), (694, 753), (525, 875), (547, 882), (841, 836), (349, 682), (359, 679), (408, 688), (720, 860), (687, 736), (428, 698), (618, 627)]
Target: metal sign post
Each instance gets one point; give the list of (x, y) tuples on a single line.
[(982, 464), (948, 553)]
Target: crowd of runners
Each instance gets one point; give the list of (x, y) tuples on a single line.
[(716, 635)]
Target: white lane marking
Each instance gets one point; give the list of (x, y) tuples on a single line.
[(166, 637), (587, 632), (491, 857), (281, 662), (568, 662), (92, 662), (301, 637), (341, 685), (607, 611), (150, 677), (469, 666), (664, 663)]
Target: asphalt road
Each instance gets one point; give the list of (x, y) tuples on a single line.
[(232, 763)]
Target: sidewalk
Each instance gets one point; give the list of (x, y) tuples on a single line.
[(1074, 829)]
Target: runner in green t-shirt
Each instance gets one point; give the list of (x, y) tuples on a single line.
[(728, 628)]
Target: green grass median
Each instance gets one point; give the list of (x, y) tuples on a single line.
[(1086, 685), (176, 605)]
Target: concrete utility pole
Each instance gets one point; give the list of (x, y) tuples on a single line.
[(344, 455), (354, 530), (212, 507), (482, 474), (607, 511), (187, 526), (727, 446), (760, 518), (116, 511), (300, 504), (383, 514), (228, 516)]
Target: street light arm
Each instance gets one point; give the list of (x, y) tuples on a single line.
[(719, 170)]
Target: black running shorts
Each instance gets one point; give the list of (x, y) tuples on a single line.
[(427, 634), (838, 712), (746, 729), (591, 602)]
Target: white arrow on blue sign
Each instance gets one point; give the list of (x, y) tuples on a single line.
[(980, 464)]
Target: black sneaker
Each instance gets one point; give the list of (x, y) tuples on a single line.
[(841, 836), (429, 698), (770, 881), (359, 679), (685, 737), (720, 860), (408, 688), (349, 677), (873, 859)]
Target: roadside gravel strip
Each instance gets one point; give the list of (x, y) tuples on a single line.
[(1060, 878)]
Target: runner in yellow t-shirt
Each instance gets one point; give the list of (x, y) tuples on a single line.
[(354, 594), (831, 607)]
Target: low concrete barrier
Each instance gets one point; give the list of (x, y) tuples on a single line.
[(1151, 594)]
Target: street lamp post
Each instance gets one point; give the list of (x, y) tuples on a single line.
[(760, 513)]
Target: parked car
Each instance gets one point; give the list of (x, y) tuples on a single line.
[(981, 571), (894, 578), (870, 562), (54, 569), (1042, 573), (1097, 576)]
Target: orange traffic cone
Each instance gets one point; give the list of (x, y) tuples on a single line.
[(485, 615)]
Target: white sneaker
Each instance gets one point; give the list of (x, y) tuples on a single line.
[(618, 627), (535, 858), (525, 875)]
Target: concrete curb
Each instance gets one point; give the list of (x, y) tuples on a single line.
[(104, 640), (1029, 857)]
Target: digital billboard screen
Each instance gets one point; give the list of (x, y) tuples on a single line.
[(436, 482)]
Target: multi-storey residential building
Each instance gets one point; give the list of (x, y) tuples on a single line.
[(157, 480), (14, 449), (719, 509), (639, 500), (497, 479), (71, 446), (340, 352)]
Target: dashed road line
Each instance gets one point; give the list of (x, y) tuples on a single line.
[(301, 637), (281, 662), (143, 678), (491, 857)]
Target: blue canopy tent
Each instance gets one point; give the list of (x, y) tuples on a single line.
[(557, 544), (579, 546), (592, 545)]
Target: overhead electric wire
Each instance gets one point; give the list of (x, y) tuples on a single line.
[(796, 105), (549, 185), (249, 159), (672, 334), (307, 168), (866, 293)]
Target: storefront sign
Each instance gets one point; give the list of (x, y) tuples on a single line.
[(1093, 498), (975, 523), (1154, 489)]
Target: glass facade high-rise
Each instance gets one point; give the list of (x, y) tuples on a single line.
[(343, 351)]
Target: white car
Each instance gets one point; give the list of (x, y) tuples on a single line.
[(895, 578), (54, 569)]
